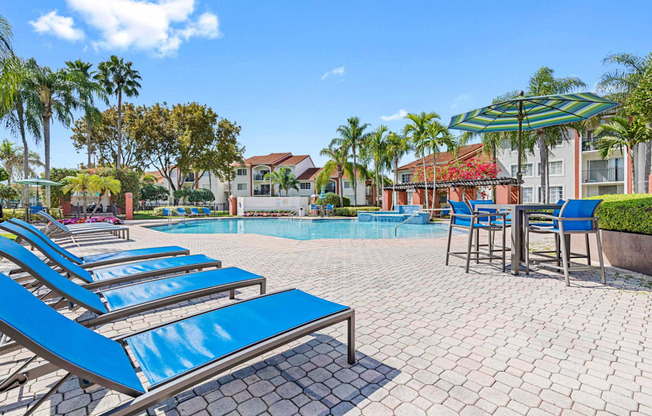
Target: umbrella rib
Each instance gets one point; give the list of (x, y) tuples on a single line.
[(555, 108), (496, 117)]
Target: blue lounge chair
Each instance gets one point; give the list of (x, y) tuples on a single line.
[(55, 228), (230, 335), (576, 216), (196, 212), (207, 211), (138, 296), (110, 275), (36, 238), (463, 217)]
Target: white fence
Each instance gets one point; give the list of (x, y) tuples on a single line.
[(261, 203)]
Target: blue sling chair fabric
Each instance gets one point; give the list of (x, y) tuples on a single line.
[(163, 353), (125, 296), (39, 240), (130, 271)]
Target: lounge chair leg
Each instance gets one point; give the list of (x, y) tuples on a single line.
[(468, 248), (351, 339), (588, 249), (564, 254), (263, 287), (232, 294), (600, 259), (49, 393)]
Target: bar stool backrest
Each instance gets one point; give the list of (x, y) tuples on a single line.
[(461, 208), (579, 208)]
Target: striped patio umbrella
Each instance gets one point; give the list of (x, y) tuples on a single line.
[(531, 113), (322, 195)]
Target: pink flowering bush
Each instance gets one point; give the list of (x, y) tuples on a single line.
[(111, 220), (455, 171)]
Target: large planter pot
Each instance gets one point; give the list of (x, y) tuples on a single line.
[(627, 250)]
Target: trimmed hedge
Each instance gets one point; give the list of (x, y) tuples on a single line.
[(159, 210), (352, 211), (628, 213), (10, 213), (333, 199)]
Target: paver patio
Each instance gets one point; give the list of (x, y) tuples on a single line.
[(430, 339)]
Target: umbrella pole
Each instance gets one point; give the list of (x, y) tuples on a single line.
[(519, 174)]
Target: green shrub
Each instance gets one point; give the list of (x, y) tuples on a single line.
[(20, 214), (630, 213), (352, 211), (201, 195), (333, 199)]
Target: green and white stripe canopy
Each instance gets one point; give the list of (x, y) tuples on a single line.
[(534, 112)]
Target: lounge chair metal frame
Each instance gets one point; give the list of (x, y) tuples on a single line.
[(122, 232), (35, 241), (176, 385)]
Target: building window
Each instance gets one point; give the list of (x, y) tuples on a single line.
[(305, 185), (406, 177), (527, 195), (555, 193), (242, 172), (555, 168), (242, 186), (527, 170), (347, 184)]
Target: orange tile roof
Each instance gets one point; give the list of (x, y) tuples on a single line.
[(309, 174), (293, 160), (272, 158), (463, 153)]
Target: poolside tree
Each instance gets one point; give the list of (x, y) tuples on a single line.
[(337, 163), (56, 100), (352, 135), (284, 178), (84, 183), (418, 132), (84, 83), (438, 136), (118, 78), (397, 147), (376, 149), (619, 133), (544, 82), (105, 185)]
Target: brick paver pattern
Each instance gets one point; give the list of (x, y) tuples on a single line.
[(431, 340)]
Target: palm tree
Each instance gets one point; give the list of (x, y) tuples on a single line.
[(104, 185), (10, 158), (56, 99), (352, 135), (23, 116), (543, 82), (397, 147), (376, 150), (118, 78), (619, 132), (285, 180), (438, 136), (418, 132), (338, 163), (83, 182), (87, 88)]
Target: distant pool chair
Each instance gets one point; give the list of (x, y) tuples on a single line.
[(197, 213), (577, 216), (314, 208), (329, 209), (207, 211), (462, 217)]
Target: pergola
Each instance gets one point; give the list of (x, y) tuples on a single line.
[(506, 191)]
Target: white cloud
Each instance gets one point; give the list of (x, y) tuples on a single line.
[(60, 26), (460, 99), (335, 71), (158, 26), (396, 116)]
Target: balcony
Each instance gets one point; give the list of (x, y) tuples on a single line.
[(603, 175), (261, 192), (260, 176)]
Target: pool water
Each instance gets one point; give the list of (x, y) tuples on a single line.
[(305, 229)]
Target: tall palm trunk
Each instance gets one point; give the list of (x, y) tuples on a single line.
[(543, 162), (339, 188), (355, 177), (395, 180), (119, 150), (23, 136), (425, 177), (377, 185), (46, 146), (434, 178), (632, 170), (88, 140)]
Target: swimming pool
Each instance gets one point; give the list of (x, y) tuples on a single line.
[(304, 229)]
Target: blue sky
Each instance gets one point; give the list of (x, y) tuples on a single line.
[(290, 72)]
